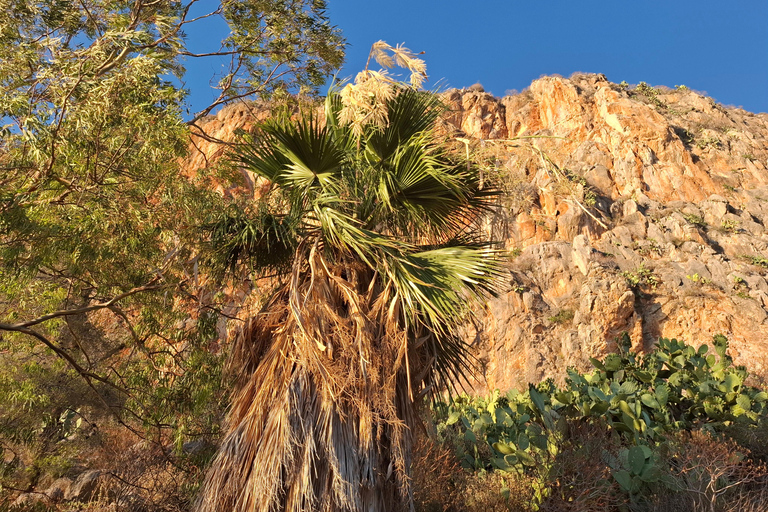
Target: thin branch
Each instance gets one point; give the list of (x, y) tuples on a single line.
[(20, 327), (183, 22), (209, 54), (224, 100), (584, 208), (64, 355), (92, 19), (138, 342)]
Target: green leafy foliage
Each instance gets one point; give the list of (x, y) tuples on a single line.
[(640, 400), (651, 94), (634, 467), (695, 220), (504, 422), (641, 276), (761, 261), (104, 316), (562, 316)]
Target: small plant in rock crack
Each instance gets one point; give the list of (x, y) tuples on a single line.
[(696, 278), (589, 196), (696, 220), (562, 316), (729, 226), (709, 142), (648, 246), (641, 276), (760, 261), (686, 137), (651, 93), (741, 287)]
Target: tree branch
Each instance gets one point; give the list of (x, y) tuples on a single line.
[(62, 354), (23, 326)]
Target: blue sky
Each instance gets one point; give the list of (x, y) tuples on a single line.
[(717, 47)]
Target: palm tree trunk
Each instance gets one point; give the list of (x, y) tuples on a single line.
[(312, 428)]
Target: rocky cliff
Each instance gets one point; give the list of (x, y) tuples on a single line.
[(640, 210)]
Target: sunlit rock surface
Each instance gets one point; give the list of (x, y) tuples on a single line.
[(633, 210)]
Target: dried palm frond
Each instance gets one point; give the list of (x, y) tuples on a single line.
[(321, 412), (365, 101), (401, 56), (379, 53), (405, 58)]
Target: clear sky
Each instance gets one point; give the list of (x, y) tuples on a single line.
[(717, 47)]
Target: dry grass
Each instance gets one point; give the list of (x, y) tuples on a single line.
[(703, 474), (751, 438), (441, 485), (438, 480), (580, 479), (710, 474)]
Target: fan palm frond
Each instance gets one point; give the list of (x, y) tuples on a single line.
[(298, 156), (410, 113), (260, 242), (438, 284)]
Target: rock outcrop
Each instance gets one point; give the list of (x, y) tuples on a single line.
[(640, 210)]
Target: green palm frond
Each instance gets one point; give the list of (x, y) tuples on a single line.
[(434, 287), (342, 133), (413, 182), (299, 155), (259, 156), (420, 188), (453, 364), (410, 113), (262, 241)]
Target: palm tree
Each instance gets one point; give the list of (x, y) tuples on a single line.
[(370, 222)]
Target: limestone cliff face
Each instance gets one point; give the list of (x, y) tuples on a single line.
[(640, 210)]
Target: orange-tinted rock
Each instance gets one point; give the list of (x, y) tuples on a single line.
[(675, 204), (634, 213)]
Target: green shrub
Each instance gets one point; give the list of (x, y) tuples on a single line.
[(651, 93), (760, 261), (562, 316), (696, 220), (638, 401)]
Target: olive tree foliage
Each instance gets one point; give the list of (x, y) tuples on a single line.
[(95, 217)]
